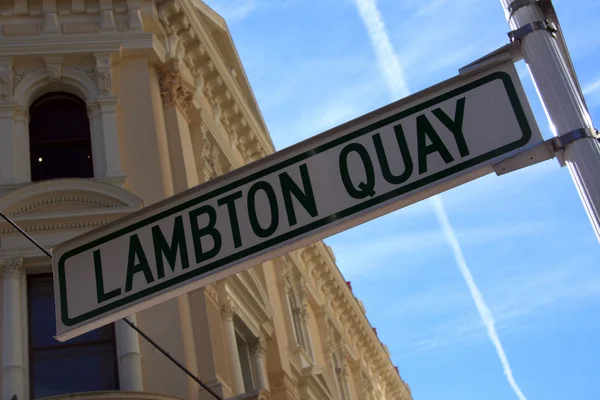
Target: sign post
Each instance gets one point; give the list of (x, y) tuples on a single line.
[(546, 54), (412, 149)]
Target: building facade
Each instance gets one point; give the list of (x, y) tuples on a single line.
[(107, 106)]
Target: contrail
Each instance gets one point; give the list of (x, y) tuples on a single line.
[(392, 71), (484, 311), (386, 56)]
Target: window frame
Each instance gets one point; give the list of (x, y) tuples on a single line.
[(102, 114), (30, 349), (245, 346), (297, 306)]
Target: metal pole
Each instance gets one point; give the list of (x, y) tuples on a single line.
[(18, 228), (153, 343), (138, 330), (559, 91)]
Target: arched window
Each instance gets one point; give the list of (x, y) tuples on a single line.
[(59, 138)]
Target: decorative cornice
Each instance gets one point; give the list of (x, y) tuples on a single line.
[(11, 267), (174, 89), (45, 201), (57, 226), (344, 307), (221, 93)]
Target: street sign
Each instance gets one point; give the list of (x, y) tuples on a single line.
[(409, 150)]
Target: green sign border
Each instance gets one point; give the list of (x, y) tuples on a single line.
[(517, 108)]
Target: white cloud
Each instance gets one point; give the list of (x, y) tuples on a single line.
[(591, 87), (233, 10)]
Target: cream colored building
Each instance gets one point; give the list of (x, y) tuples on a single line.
[(109, 105)]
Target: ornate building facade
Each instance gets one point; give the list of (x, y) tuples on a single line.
[(110, 105)]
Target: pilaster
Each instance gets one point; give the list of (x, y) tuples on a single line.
[(174, 90), (283, 387), (107, 163), (228, 312), (8, 160), (258, 350), (130, 358), (177, 97), (12, 330)]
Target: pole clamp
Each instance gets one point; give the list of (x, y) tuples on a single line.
[(515, 5), (551, 148), (525, 30), (561, 142)]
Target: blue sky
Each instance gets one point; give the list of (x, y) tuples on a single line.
[(525, 235)]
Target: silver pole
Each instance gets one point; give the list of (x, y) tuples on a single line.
[(548, 61)]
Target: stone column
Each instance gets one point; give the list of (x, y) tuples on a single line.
[(12, 346), (177, 97), (259, 356), (8, 158), (237, 380), (130, 358), (109, 147)]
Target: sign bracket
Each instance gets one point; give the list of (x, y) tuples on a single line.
[(515, 5), (543, 151), (510, 51), (525, 30)]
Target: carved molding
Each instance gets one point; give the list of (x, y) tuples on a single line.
[(81, 199), (342, 307), (211, 155), (90, 71), (100, 75), (11, 267), (212, 292), (58, 226), (228, 309), (6, 79), (259, 347), (19, 74), (103, 73), (281, 382), (174, 90), (218, 89), (54, 66)]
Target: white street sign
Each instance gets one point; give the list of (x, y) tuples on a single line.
[(409, 150)]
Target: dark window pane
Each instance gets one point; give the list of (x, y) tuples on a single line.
[(75, 369), (59, 135), (85, 363), (42, 318), (41, 312)]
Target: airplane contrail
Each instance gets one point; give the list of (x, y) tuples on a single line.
[(391, 69)]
